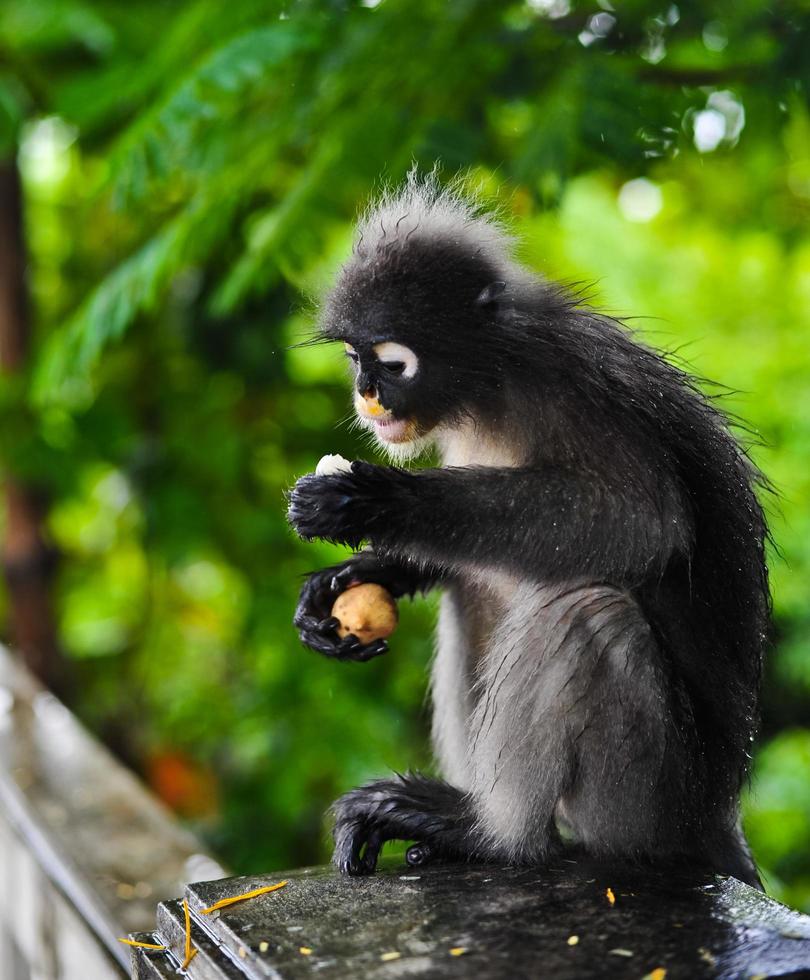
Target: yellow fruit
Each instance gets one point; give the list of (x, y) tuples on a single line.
[(367, 611)]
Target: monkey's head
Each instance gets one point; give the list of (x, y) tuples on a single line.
[(416, 308)]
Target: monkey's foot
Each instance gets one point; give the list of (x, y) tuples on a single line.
[(409, 807)]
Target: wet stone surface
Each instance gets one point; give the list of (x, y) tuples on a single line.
[(483, 922)]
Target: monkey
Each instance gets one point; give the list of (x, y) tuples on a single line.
[(595, 530)]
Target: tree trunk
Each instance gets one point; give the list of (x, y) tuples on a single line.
[(27, 560)]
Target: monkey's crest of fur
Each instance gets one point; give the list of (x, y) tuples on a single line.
[(425, 212)]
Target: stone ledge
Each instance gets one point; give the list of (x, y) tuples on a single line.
[(483, 922)]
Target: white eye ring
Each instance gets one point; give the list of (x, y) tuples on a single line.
[(350, 351), (388, 353)]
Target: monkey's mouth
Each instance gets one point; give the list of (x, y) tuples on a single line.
[(393, 430)]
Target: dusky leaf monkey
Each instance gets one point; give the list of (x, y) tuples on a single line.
[(597, 538)]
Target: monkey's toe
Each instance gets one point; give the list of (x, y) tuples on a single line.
[(357, 850), (419, 854), (358, 832), (348, 857)]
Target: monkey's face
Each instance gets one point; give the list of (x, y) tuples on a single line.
[(388, 385), (420, 333)]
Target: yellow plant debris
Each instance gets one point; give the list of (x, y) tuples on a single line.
[(224, 902), (134, 942), (188, 952)]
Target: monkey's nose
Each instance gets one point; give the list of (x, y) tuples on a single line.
[(371, 403)]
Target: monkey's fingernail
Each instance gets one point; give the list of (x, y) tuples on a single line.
[(334, 585), (331, 623)]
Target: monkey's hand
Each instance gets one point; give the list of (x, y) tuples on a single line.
[(342, 507), (313, 617)]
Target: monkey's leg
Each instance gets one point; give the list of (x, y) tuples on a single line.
[(641, 788), (522, 739), (451, 686), (636, 769), (519, 755)]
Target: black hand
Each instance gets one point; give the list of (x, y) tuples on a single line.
[(327, 507), (346, 507), (314, 620)]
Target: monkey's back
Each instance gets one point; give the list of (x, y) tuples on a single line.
[(621, 410)]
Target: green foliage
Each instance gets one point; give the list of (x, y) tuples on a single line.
[(191, 177)]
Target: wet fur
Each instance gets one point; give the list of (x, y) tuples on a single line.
[(601, 550)]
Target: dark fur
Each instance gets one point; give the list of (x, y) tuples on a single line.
[(617, 689)]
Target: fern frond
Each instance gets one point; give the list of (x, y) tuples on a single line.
[(134, 287), (181, 130), (254, 270)]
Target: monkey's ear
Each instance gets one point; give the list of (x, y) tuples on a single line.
[(489, 294)]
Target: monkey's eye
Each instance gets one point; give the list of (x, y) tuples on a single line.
[(397, 359), (394, 367), (351, 353)]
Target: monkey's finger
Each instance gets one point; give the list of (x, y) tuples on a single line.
[(348, 647), (317, 624), (349, 840), (372, 852), (344, 579), (311, 605), (372, 650), (305, 621), (312, 624), (319, 643)]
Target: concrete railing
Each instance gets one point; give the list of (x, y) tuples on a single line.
[(85, 850)]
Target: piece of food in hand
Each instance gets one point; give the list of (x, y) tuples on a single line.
[(367, 611), (333, 463)]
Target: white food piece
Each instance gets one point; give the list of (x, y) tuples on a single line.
[(333, 463)]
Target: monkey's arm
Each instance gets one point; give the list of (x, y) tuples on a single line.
[(313, 615), (547, 521)]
